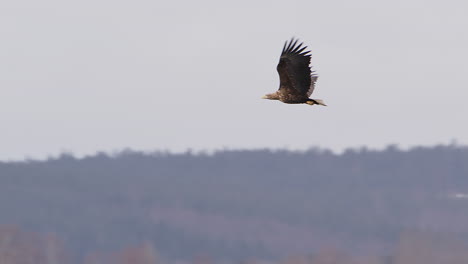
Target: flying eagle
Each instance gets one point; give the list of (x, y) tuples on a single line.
[(297, 81)]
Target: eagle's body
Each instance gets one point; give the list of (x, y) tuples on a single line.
[(297, 81)]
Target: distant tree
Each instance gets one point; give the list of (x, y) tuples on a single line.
[(422, 247), (17, 246), (202, 259), (54, 249), (297, 259), (331, 255), (370, 260), (142, 254)]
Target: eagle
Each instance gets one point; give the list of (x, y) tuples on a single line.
[(297, 80)]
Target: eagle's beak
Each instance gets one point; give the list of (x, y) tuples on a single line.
[(264, 97)]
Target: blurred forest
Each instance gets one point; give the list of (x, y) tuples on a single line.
[(238, 206)]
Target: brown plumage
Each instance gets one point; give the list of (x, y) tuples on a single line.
[(297, 80)]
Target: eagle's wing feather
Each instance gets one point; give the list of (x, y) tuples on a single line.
[(294, 71), (313, 80)]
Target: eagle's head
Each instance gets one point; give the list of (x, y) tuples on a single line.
[(272, 96)]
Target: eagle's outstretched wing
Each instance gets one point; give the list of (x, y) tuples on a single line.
[(293, 69)]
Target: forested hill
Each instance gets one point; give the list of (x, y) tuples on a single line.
[(239, 204)]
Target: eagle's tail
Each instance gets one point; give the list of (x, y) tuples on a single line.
[(315, 101)]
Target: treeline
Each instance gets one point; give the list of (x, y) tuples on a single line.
[(236, 205), (20, 247)]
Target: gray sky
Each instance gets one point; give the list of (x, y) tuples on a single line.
[(93, 75)]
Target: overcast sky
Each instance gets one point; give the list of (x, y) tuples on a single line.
[(101, 75)]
